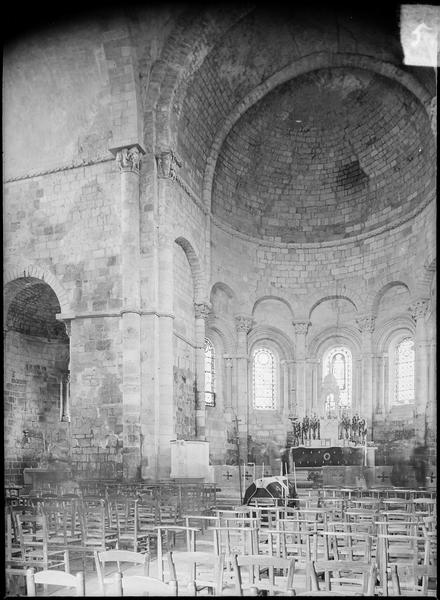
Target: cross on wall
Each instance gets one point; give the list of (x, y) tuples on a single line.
[(227, 475)]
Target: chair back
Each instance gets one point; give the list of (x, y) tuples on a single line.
[(139, 585), (56, 578), (258, 564), (202, 570), (119, 556), (342, 575)]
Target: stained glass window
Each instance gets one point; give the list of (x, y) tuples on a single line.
[(264, 379), (338, 362), (404, 372), (209, 373)]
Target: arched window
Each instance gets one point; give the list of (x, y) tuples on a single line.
[(209, 373), (404, 372), (338, 362), (264, 378)]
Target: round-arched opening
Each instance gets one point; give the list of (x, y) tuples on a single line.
[(36, 370)]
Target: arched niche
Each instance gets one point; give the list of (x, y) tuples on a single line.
[(36, 374), (223, 300), (335, 312), (275, 312), (392, 300)]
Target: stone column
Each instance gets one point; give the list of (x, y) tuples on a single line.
[(167, 165), (379, 403), (301, 328), (128, 160), (315, 387), (385, 379), (421, 383), (202, 310), (365, 324), (286, 387), (243, 324), (228, 386)]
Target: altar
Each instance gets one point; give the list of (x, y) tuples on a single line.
[(320, 442), (321, 456)]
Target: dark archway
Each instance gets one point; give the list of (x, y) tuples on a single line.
[(36, 375)]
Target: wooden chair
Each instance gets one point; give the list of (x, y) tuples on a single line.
[(250, 574), (202, 521), (166, 542), (54, 578), (363, 519), (400, 550), (344, 576), (414, 580), (12, 542), (296, 539), (425, 507), (197, 571), (346, 545), (140, 585), (396, 503), (15, 581), (97, 529), (326, 594), (35, 550), (120, 557), (235, 540), (124, 516)]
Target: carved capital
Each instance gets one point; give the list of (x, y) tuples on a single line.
[(301, 327), (202, 310), (366, 323), (167, 164), (419, 308), (243, 323), (129, 159)]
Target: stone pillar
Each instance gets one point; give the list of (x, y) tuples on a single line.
[(128, 160), (365, 324), (315, 387), (303, 404), (202, 310), (167, 165), (421, 383), (286, 387), (228, 387), (243, 324)]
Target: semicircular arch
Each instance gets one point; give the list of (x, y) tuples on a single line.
[(331, 336), (196, 268), (32, 271), (274, 335)]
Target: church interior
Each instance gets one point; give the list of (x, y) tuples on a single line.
[(220, 271)]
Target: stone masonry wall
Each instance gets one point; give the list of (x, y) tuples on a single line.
[(32, 403)]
